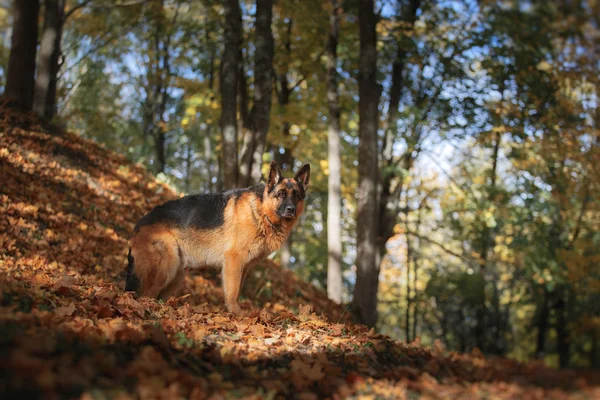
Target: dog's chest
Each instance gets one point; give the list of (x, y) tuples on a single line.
[(257, 251)]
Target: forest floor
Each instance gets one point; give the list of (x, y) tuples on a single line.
[(67, 330)]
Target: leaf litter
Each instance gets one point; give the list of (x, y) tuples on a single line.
[(67, 330)]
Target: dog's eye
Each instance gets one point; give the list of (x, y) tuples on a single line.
[(282, 194)]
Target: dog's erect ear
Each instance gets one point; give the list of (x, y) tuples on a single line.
[(275, 175), (303, 175)]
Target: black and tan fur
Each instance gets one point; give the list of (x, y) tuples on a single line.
[(234, 230)]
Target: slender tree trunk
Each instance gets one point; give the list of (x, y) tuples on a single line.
[(219, 174), (242, 100), (542, 325), (415, 298), (388, 199), (250, 171), (479, 329), (285, 159), (20, 77), (162, 70), (188, 166), (334, 199), (486, 251), (248, 139), (416, 273), (229, 87), (160, 137), (409, 257), (498, 346), (160, 150), (367, 271), (562, 331), (44, 103), (208, 158), (55, 64), (595, 350)]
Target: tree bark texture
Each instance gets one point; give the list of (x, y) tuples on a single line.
[(542, 325), (409, 259), (367, 271), (562, 330), (20, 77), (250, 170), (229, 88), (44, 103), (207, 140), (334, 199), (389, 199)]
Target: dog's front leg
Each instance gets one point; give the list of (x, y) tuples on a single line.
[(233, 272)]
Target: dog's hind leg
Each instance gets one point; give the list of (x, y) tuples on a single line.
[(157, 261)]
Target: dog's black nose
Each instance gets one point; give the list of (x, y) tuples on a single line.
[(290, 209)]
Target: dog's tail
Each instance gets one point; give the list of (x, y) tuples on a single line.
[(132, 282)]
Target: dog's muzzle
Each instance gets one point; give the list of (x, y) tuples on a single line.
[(289, 212)]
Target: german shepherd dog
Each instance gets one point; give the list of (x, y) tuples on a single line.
[(234, 230)]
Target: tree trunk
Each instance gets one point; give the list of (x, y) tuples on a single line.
[(250, 171), (409, 257), (486, 251), (188, 166), (44, 103), (595, 350), (416, 272), (242, 99), (208, 158), (285, 159), (479, 329), (229, 87), (542, 325), (208, 132), (20, 77), (248, 140), (219, 174), (334, 199), (55, 64), (562, 331), (389, 200), (160, 75), (367, 271), (160, 150)]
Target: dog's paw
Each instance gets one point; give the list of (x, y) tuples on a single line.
[(235, 309)]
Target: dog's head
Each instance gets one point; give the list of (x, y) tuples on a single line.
[(284, 198)]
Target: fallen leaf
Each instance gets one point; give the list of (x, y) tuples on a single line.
[(65, 311)]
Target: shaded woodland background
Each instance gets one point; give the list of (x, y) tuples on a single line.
[(454, 144)]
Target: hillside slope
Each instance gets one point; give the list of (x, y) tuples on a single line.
[(67, 329)]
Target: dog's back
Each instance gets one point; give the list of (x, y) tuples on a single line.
[(199, 211)]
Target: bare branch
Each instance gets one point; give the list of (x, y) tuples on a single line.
[(103, 7), (445, 249), (75, 8)]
